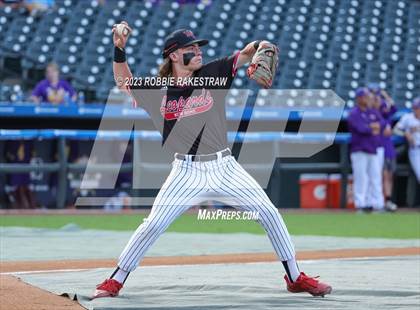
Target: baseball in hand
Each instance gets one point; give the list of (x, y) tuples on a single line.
[(122, 30)]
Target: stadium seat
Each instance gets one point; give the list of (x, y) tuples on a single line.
[(18, 36), (7, 14), (371, 34), (294, 75), (406, 84), (46, 38), (380, 73), (323, 75), (351, 75)]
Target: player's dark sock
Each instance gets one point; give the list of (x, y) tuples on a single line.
[(120, 275), (368, 209), (292, 269)]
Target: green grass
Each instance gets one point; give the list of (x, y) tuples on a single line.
[(403, 225)]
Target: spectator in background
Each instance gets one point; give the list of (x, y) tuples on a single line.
[(409, 126), (386, 152), (37, 7), (53, 89), (366, 125), (20, 196), (34, 7)]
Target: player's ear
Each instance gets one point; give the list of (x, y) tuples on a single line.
[(174, 56)]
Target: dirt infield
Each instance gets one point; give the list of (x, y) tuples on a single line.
[(203, 259), (15, 294)]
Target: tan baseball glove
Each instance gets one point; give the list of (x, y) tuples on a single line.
[(264, 64)]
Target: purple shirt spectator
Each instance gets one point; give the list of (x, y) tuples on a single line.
[(47, 92), (53, 89), (362, 137), (19, 152), (387, 111)]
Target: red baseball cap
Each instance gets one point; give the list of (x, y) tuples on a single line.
[(180, 38)]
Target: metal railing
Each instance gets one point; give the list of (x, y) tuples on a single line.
[(62, 167)]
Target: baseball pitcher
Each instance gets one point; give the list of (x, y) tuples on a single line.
[(192, 121)]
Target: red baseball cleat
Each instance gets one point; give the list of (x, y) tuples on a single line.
[(307, 284), (108, 288)]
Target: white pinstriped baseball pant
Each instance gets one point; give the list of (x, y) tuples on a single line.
[(414, 156), (191, 182)]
